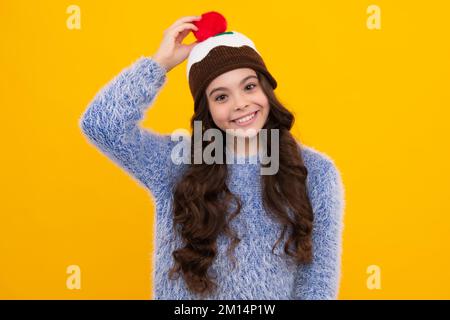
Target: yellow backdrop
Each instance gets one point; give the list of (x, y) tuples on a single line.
[(367, 80)]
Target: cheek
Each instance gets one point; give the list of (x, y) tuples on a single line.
[(220, 116), (264, 103)]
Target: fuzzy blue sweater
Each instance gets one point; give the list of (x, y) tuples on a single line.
[(112, 124)]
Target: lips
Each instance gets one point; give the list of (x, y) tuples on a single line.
[(252, 119), (234, 120)]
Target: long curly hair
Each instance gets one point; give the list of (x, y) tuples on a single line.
[(202, 200)]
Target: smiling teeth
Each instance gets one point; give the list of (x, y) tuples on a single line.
[(246, 118)]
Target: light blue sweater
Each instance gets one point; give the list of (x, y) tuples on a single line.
[(112, 124)]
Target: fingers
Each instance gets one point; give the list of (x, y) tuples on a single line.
[(174, 31), (187, 26), (181, 35), (183, 20), (184, 29), (186, 19)]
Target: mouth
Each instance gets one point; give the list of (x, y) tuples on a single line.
[(246, 120)]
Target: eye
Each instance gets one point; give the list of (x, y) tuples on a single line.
[(251, 84), (222, 95)]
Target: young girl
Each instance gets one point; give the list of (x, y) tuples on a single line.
[(225, 231)]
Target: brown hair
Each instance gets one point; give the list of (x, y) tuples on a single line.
[(201, 197)]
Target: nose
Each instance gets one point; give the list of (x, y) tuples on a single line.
[(242, 107), (240, 103)]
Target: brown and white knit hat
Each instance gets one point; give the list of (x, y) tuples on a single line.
[(219, 51)]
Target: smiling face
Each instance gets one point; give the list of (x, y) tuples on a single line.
[(237, 101)]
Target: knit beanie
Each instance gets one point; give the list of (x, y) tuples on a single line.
[(219, 51)]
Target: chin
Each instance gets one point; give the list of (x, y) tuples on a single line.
[(244, 132)]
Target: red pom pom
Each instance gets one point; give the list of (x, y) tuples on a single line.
[(209, 25)]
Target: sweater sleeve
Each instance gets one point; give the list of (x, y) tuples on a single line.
[(320, 279), (111, 123)]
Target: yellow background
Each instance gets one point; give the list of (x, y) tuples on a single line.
[(376, 101)]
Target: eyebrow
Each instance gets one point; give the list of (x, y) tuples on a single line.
[(242, 81)]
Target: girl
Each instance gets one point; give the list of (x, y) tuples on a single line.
[(225, 231)]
